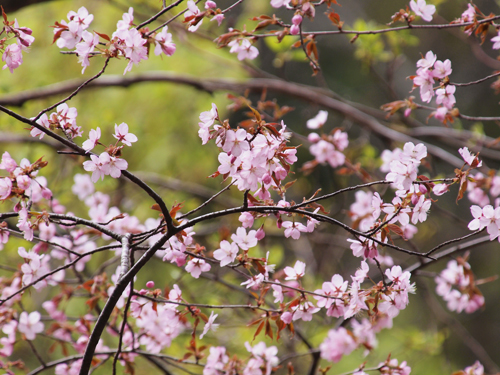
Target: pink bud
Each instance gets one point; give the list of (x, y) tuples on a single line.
[(407, 112), (297, 19), (287, 317), (313, 137), (267, 179), (210, 4), (422, 188), (414, 199), (280, 173), (260, 233), (143, 292), (294, 30), (46, 193), (150, 284)]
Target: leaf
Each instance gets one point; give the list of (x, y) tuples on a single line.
[(269, 331), (259, 329), (92, 302), (104, 36), (176, 208), (394, 228), (4, 15)]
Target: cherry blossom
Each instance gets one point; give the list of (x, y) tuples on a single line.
[(420, 210), (122, 134), (196, 266), (495, 40), (94, 136), (442, 69), (296, 272), (244, 49), (318, 121), (227, 253), (163, 43), (296, 21), (445, 96), (191, 16), (98, 165), (337, 344), (422, 9), (5, 188), (469, 158), (280, 3), (30, 324), (135, 50), (12, 57), (210, 325), (243, 239)]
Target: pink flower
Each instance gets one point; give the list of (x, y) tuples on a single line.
[(5, 188), (207, 118), (427, 61), (116, 166), (83, 186), (85, 48), (420, 210), (293, 229), (98, 165), (236, 142), (318, 121), (243, 240), (296, 272), (126, 21), (440, 113), (442, 69), (122, 134), (422, 9), (30, 324), (219, 18), (425, 80), (83, 19), (193, 12), (496, 41), (244, 49), (279, 3), (94, 136), (469, 158), (163, 43), (135, 50), (12, 57), (210, 4), (445, 96), (337, 344), (210, 325), (196, 266), (227, 253)]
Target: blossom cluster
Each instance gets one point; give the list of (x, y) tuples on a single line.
[(257, 162), (108, 162), (338, 303), (64, 119), (456, 284), (339, 300), (429, 70), (12, 53), (23, 183), (327, 148), (125, 41)]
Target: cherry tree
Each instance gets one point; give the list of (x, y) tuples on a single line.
[(75, 299)]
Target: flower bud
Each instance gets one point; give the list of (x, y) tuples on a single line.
[(313, 137), (150, 284)]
